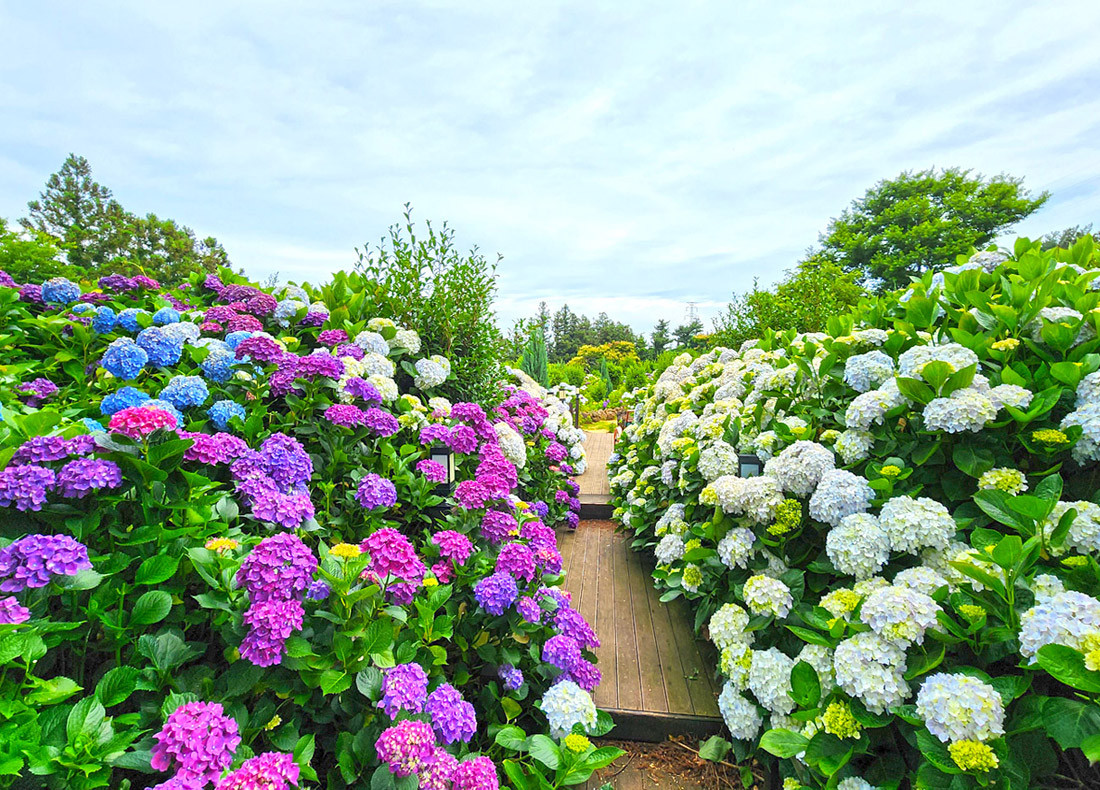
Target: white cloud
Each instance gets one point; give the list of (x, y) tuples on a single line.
[(623, 157)]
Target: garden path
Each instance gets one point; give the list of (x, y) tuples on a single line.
[(595, 494)]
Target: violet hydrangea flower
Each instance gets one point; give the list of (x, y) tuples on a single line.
[(278, 569), (381, 422), (404, 687), (198, 739), (12, 612), (267, 771), (33, 559), (25, 486), (433, 471), (496, 593), (270, 624), (40, 449), (82, 476), (561, 652), (510, 676), (453, 717), (375, 491)]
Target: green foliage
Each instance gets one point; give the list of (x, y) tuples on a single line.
[(98, 236), (534, 362), (426, 284), (921, 221), (32, 256)]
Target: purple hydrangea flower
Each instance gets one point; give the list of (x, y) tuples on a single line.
[(270, 623), (437, 771), (41, 449), (287, 461), (585, 674), (361, 388), (289, 510), (453, 717), (322, 364), (516, 559), (332, 337), (406, 746), (462, 439), (278, 569), (213, 449), (12, 612), (346, 415), (404, 687), (37, 391), (570, 622), (496, 593), (267, 771), (381, 422), (82, 476), (557, 452), (375, 491), (540, 508), (433, 471), (476, 773), (496, 525), (510, 676), (33, 559), (434, 432), (197, 739), (318, 590), (562, 652), (529, 609), (538, 535)]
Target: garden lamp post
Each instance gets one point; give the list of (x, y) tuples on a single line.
[(445, 457), (749, 466)]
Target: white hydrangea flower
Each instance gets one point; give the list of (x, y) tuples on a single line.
[(912, 361), (407, 339), (1061, 315), (372, 343), (988, 260), (1011, 481), (428, 374), (1087, 448), (727, 626), (855, 783), (1084, 530), (1045, 586), (669, 549), (854, 446), (440, 405), (840, 493), (378, 365), (921, 578), (858, 546), (915, 524), (511, 444), (873, 337), (770, 679), (821, 659), (868, 409), (386, 387), (966, 410), (741, 715), (765, 595), (763, 444), (287, 309), (1010, 395), (899, 614), (378, 324), (960, 708), (864, 372), (182, 331), (1088, 391), (1064, 619), (798, 469), (871, 669), (717, 459), (295, 292), (668, 472), (735, 549), (566, 704)]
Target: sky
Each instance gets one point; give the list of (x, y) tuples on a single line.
[(628, 157)]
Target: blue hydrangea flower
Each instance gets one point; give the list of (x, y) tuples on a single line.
[(58, 290), (82, 308), (166, 315), (183, 332), (164, 350), (123, 399), (223, 411), (185, 391), (93, 426), (127, 319), (104, 320), (124, 359), (218, 366), (233, 339), (168, 407)]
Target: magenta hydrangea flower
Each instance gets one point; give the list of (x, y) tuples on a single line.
[(214, 449), (497, 525), (257, 348), (562, 652), (453, 717), (270, 624), (320, 364), (289, 510), (476, 773), (197, 739), (137, 422), (404, 687), (462, 439), (82, 476), (406, 746), (538, 535), (550, 560), (267, 771), (244, 323), (496, 593), (12, 612), (453, 545), (25, 486), (381, 422), (261, 305), (557, 452), (392, 555), (437, 771), (278, 569), (346, 415), (516, 559), (473, 495), (529, 609), (435, 432), (375, 492), (332, 337), (443, 572), (32, 560), (433, 471)]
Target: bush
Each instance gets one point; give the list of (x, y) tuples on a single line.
[(908, 595), (226, 551)]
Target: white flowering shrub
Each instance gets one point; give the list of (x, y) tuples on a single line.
[(902, 585)]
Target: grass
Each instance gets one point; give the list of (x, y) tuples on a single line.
[(606, 426)]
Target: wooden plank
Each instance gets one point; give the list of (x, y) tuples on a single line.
[(590, 570), (607, 693), (653, 694), (627, 656), (696, 673), (679, 697)]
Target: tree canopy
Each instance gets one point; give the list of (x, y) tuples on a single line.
[(923, 220)]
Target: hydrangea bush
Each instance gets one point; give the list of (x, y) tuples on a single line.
[(908, 594), (228, 559)]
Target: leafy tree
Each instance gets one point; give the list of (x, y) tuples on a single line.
[(1068, 237), (31, 255), (534, 362), (685, 333), (660, 337), (803, 300), (923, 220)]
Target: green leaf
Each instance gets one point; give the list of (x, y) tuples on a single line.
[(333, 681), (1070, 722), (915, 390), (1091, 747), (543, 749), (382, 779), (805, 685), (936, 752), (512, 737), (84, 719), (116, 686), (369, 683), (379, 636), (515, 774), (715, 749), (1068, 666), (783, 743), (156, 569), (152, 607), (603, 757), (813, 637), (925, 661), (972, 461)]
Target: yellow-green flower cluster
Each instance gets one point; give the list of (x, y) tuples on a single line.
[(576, 743), (1011, 481), (788, 517), (973, 756), (1050, 436), (839, 721)]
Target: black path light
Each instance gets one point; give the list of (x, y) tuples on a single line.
[(749, 466), (445, 457)]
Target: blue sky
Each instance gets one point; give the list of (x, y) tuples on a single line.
[(628, 157)]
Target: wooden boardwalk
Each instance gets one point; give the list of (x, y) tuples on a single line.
[(657, 678), (595, 492)]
